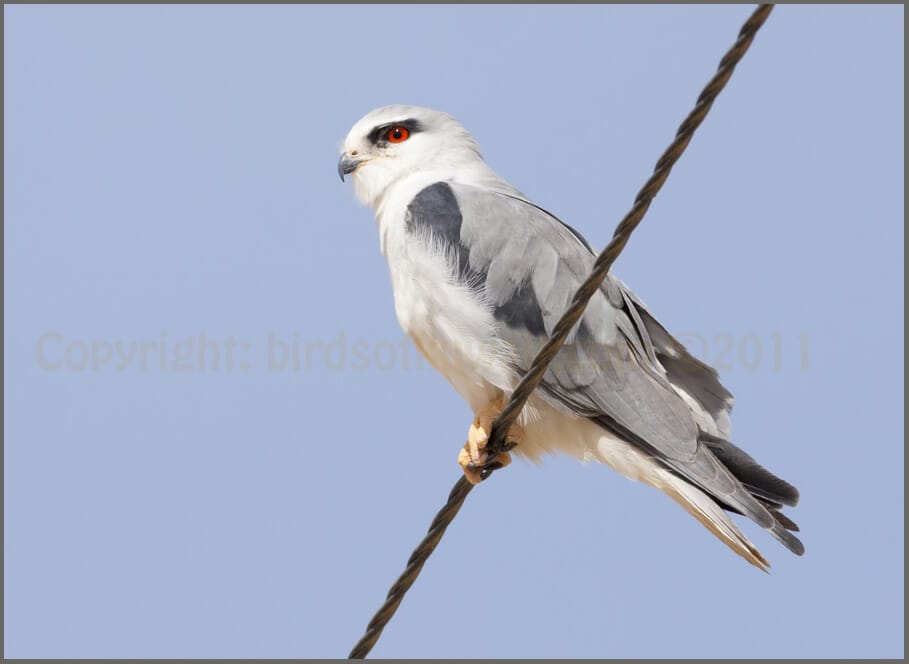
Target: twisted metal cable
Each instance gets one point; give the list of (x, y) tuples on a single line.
[(569, 319)]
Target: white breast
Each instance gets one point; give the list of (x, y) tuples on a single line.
[(449, 323)]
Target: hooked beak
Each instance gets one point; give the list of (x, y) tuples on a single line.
[(348, 164)]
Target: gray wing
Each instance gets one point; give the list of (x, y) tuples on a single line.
[(685, 371), (527, 265)]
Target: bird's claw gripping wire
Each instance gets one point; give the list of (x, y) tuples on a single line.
[(493, 464), (484, 452)]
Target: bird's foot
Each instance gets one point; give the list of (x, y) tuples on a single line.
[(474, 458)]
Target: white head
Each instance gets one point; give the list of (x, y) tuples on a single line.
[(394, 142)]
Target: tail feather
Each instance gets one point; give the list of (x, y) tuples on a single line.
[(706, 510)]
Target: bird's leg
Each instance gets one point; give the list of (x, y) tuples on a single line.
[(473, 457)]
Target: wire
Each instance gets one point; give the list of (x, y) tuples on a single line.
[(569, 319)]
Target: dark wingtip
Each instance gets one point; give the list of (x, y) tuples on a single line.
[(784, 520), (788, 540)]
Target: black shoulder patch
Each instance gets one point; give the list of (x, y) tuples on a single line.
[(435, 208), (435, 212), (522, 311)]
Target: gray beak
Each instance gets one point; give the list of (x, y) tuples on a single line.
[(348, 164)]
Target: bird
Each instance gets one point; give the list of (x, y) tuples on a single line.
[(481, 274)]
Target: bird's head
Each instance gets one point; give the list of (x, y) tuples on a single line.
[(393, 142)]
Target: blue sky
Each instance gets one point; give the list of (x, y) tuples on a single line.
[(218, 442)]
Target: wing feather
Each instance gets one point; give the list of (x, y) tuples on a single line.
[(604, 368)]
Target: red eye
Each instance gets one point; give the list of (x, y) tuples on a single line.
[(398, 134)]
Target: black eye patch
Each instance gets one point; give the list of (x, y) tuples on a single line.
[(379, 135)]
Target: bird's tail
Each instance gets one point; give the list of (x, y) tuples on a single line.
[(635, 464), (741, 486)]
